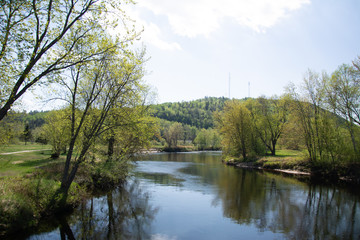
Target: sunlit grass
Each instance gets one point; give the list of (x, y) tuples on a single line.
[(22, 147), (285, 159), (23, 163)]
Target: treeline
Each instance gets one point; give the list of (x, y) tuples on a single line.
[(321, 116), (186, 126), (175, 136), (25, 127), (197, 113)]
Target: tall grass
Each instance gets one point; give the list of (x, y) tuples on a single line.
[(24, 201)]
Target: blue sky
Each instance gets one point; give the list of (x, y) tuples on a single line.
[(195, 44)]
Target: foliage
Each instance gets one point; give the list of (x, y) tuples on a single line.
[(198, 113), (57, 130), (236, 127), (323, 132), (25, 200), (27, 134), (269, 117), (173, 133), (41, 38), (208, 139), (11, 128)]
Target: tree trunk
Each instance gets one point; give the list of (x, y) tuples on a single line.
[(4, 110), (111, 143)]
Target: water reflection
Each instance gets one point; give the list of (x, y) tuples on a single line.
[(122, 214), (285, 205), (160, 178), (275, 203), (197, 197)]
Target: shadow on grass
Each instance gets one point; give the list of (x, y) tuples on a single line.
[(38, 163)]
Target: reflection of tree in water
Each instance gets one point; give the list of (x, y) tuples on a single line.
[(297, 211), (122, 214)]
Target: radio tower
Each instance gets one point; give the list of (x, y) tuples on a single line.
[(229, 85), (249, 89)]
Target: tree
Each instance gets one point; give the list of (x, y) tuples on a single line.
[(173, 133), (269, 117), (56, 130), (41, 37), (27, 135), (130, 130), (235, 126), (94, 90), (319, 129), (344, 98), (201, 139), (208, 139)]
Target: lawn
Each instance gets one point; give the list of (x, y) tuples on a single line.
[(22, 147), (25, 162), (284, 159)]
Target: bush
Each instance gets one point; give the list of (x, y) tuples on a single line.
[(24, 201), (109, 174)]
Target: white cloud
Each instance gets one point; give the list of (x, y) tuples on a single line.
[(152, 33), (192, 18)]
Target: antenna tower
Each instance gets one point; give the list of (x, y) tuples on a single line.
[(229, 85)]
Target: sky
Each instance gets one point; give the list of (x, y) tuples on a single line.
[(198, 48)]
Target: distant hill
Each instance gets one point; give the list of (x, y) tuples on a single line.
[(198, 113)]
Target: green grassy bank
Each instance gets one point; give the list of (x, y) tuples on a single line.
[(297, 162), (30, 182)]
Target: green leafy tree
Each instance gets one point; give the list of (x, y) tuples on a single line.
[(11, 128), (57, 131), (173, 133), (94, 90), (130, 131), (235, 126), (208, 139), (27, 134), (343, 93), (269, 117), (319, 128), (41, 37)]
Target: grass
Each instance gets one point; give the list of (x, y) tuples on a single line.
[(24, 163), (285, 159), (26, 194), (22, 147)]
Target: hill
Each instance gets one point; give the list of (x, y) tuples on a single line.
[(198, 113)]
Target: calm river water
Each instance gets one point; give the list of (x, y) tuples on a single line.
[(195, 196)]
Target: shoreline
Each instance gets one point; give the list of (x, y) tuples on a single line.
[(252, 165), (348, 180)]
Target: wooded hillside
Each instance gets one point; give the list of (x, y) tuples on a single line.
[(198, 113)]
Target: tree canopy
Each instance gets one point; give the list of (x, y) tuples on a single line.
[(41, 37)]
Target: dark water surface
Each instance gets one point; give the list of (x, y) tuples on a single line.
[(194, 196)]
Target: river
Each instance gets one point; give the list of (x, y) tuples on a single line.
[(194, 196)]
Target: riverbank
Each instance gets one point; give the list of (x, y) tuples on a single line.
[(29, 185), (298, 165)]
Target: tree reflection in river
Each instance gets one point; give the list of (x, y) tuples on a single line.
[(298, 211), (200, 198), (275, 203), (122, 214)]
